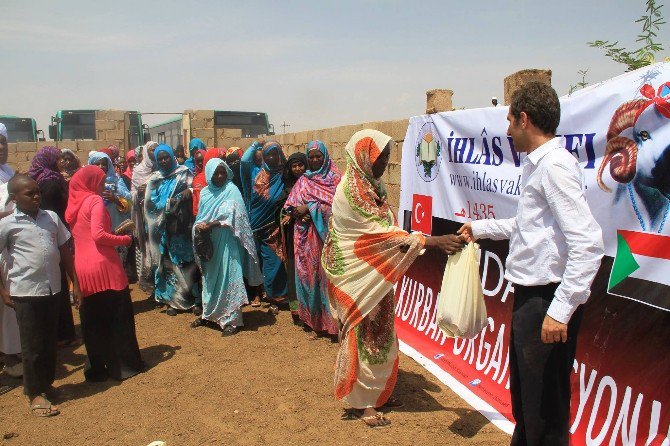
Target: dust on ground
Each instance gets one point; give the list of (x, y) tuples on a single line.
[(268, 384)]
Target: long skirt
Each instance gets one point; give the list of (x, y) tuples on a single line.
[(310, 281), (177, 285), (108, 327), (367, 362), (269, 242)]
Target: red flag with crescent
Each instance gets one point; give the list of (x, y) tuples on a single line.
[(422, 214)]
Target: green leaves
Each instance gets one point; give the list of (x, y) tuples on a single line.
[(645, 55)]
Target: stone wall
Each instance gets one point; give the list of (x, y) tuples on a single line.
[(113, 125), (515, 80), (21, 153)]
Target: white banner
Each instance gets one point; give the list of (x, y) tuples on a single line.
[(461, 165)]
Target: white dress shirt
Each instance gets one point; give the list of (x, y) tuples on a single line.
[(553, 238), (33, 248)]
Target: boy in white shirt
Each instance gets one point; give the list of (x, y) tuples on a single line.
[(36, 241)]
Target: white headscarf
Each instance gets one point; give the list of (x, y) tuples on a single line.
[(3, 130), (143, 170)]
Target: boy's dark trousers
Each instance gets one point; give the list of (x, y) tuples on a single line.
[(38, 327), (540, 373)]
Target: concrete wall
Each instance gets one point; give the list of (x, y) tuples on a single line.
[(113, 125)]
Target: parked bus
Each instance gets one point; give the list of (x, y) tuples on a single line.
[(252, 124), (20, 129), (80, 124), (168, 132)]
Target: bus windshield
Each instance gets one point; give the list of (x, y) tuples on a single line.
[(19, 129), (76, 124), (252, 124)]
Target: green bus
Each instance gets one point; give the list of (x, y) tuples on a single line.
[(80, 124), (20, 129), (252, 124)]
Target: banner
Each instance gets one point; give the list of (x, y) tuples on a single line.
[(461, 165)]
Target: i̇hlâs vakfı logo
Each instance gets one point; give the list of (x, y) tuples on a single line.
[(428, 150)]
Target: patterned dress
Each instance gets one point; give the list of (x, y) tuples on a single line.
[(364, 256), (169, 219), (315, 189)]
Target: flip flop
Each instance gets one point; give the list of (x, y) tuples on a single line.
[(50, 411), (376, 421)]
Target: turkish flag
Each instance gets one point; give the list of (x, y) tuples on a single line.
[(422, 213)]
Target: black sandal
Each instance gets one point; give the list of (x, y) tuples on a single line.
[(199, 322), (229, 330)]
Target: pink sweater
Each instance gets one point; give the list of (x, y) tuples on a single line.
[(97, 263)]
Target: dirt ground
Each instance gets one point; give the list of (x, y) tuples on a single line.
[(269, 384)]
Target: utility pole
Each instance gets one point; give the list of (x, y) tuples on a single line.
[(284, 125)]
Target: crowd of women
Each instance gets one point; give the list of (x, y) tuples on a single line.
[(217, 229)]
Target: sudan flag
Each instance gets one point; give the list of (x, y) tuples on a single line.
[(641, 269)]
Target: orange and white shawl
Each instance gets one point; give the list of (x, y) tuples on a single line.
[(364, 255)]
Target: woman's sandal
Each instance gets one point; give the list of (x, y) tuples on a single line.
[(376, 421), (256, 302), (197, 323), (44, 410), (229, 330)]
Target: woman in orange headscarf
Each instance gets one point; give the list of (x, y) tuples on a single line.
[(364, 255)]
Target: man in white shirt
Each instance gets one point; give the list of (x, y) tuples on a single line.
[(555, 251)]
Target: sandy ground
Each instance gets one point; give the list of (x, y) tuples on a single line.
[(269, 384)]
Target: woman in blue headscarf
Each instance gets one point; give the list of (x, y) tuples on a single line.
[(263, 187), (195, 145), (222, 218), (116, 194), (168, 214)]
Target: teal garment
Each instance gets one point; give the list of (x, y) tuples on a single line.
[(234, 252), (168, 215), (263, 189)]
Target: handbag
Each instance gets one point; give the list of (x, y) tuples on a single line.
[(202, 244)]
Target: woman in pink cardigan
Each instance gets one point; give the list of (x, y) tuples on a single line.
[(106, 312)]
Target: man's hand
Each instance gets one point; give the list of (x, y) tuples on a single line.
[(466, 232), (553, 331), (6, 299)]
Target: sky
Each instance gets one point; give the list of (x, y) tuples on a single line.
[(310, 64)]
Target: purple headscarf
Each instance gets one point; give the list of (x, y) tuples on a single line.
[(44, 166)]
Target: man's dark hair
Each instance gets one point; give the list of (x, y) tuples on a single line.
[(540, 102), (17, 182)]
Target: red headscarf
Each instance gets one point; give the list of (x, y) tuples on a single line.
[(200, 181), (84, 183), (129, 156), (107, 151)]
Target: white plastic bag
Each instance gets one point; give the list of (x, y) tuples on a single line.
[(461, 311)]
